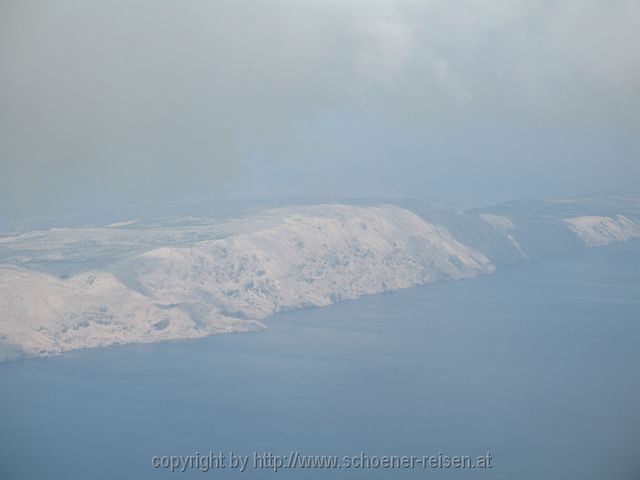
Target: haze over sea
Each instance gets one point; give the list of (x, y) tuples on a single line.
[(537, 364)]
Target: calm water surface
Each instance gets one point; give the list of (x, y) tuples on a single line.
[(538, 364)]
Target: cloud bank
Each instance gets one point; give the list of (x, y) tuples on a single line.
[(479, 100)]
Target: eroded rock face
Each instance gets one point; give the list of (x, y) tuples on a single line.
[(598, 230), (135, 283)]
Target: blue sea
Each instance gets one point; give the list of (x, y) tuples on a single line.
[(537, 365)]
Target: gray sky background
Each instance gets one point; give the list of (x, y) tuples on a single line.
[(474, 100)]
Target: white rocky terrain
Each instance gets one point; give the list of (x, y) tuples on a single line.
[(69, 288), (597, 230)]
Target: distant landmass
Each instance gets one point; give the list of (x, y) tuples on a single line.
[(147, 280)]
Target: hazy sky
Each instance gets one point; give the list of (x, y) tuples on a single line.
[(473, 100)]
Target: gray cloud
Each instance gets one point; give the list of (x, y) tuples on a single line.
[(478, 99)]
